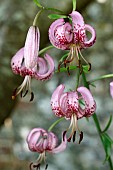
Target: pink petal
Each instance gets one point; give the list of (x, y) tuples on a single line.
[(17, 61), (31, 47), (92, 40), (55, 100), (47, 75), (111, 89), (33, 138), (90, 105), (77, 18), (60, 34), (72, 104), (61, 147), (52, 141)]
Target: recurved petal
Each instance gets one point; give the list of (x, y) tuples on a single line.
[(31, 47), (111, 89), (17, 61), (55, 100), (45, 70), (62, 146), (60, 34), (92, 40), (77, 18), (33, 138), (90, 105), (52, 141)]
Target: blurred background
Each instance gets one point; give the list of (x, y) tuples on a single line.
[(19, 116)]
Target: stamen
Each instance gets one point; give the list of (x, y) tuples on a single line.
[(74, 135), (25, 93), (46, 166), (81, 137), (69, 139), (32, 97), (68, 71), (30, 166), (89, 66), (14, 94), (64, 133)]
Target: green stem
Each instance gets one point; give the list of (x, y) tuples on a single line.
[(96, 121), (77, 78), (45, 49), (74, 5), (55, 123), (101, 77), (36, 17)]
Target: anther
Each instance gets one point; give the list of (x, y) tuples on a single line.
[(25, 93), (69, 139), (32, 96), (81, 137), (46, 166), (74, 136), (14, 94), (68, 71), (89, 66), (64, 133)]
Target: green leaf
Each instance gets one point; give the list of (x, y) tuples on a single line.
[(108, 124), (74, 5), (56, 16), (107, 144), (37, 3), (86, 68)]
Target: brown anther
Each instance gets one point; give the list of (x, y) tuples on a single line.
[(14, 94), (32, 96), (21, 93), (59, 66), (74, 136), (68, 71), (69, 139), (89, 66), (81, 137), (30, 166), (46, 166), (25, 93), (64, 133)]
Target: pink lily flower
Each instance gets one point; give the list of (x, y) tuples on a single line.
[(111, 89), (42, 141), (67, 104), (72, 36), (27, 63)]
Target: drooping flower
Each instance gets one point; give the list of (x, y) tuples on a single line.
[(111, 89), (27, 63), (41, 141), (72, 36), (67, 104)]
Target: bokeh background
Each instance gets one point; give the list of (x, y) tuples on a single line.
[(17, 117)]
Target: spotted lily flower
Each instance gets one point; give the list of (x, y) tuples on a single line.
[(42, 141), (27, 63), (111, 89), (67, 104), (72, 36)]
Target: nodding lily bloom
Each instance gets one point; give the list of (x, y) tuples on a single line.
[(27, 63), (111, 89), (72, 36), (42, 141), (67, 104)]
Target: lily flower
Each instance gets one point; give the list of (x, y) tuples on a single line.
[(67, 104), (27, 63), (111, 89), (72, 36), (42, 141)]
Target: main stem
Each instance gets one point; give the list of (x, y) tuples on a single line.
[(96, 121)]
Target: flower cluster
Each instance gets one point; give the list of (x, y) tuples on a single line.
[(72, 105)]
